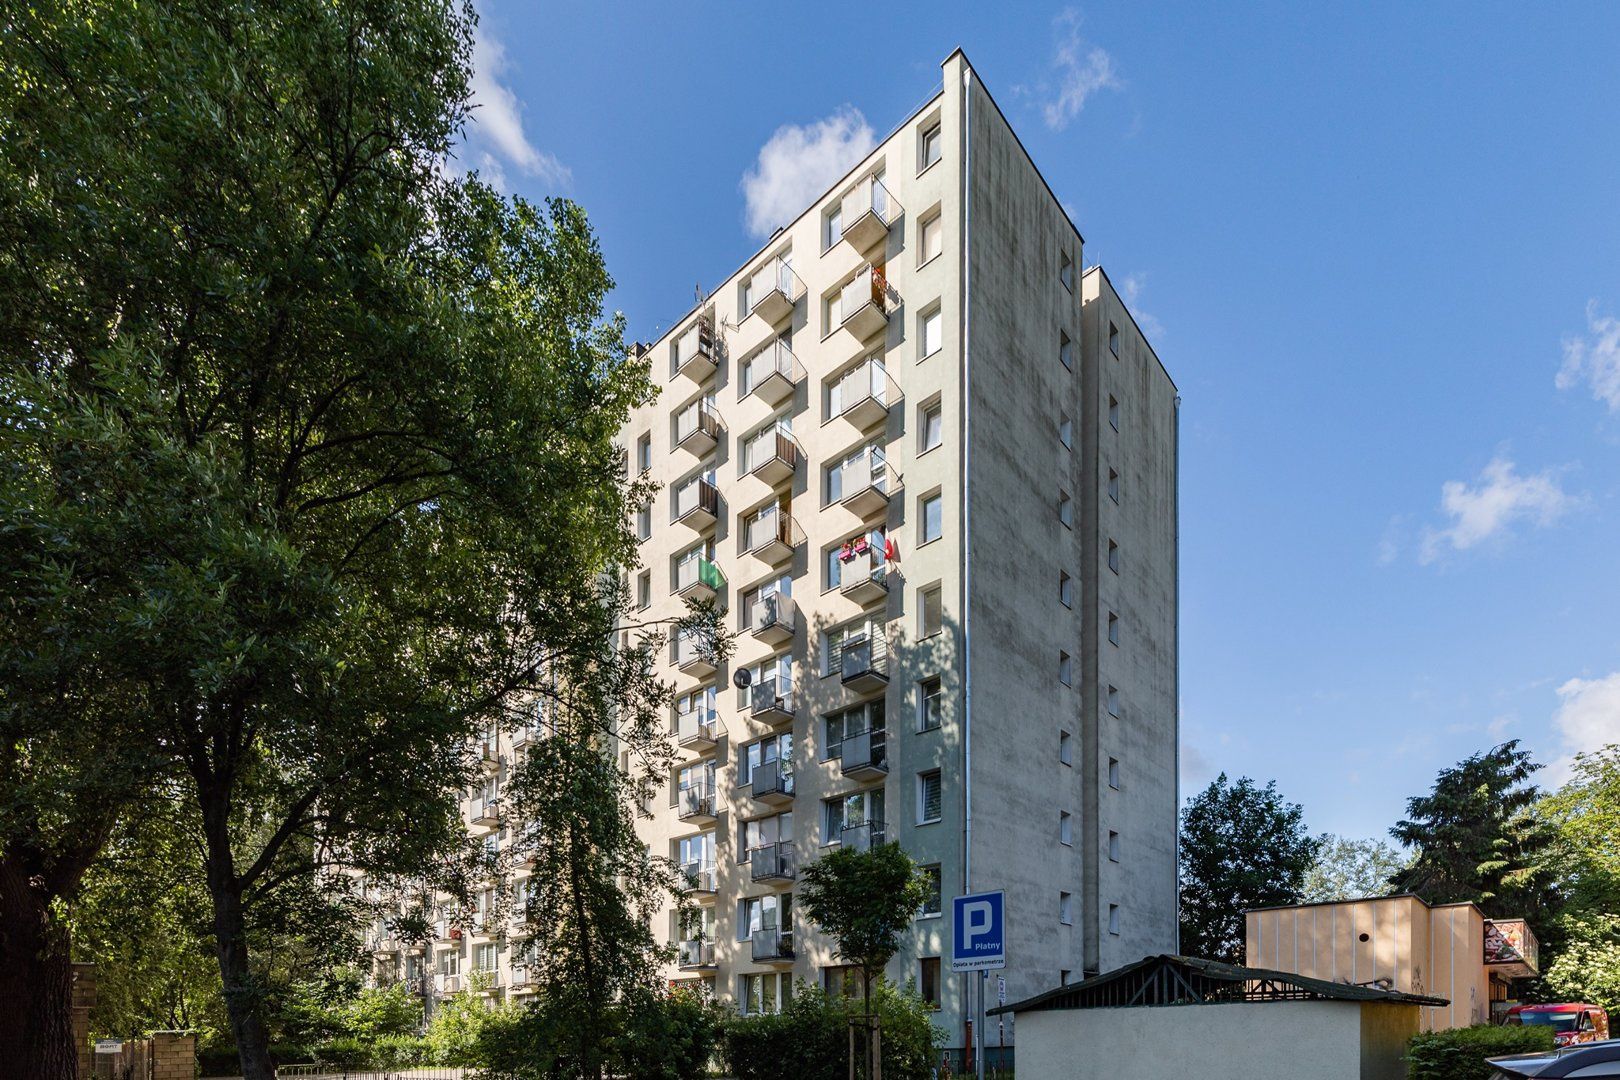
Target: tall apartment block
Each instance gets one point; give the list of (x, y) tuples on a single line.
[(927, 465)]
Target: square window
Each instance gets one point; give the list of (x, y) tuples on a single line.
[(1065, 350), (1065, 828), (930, 700), (832, 225), (1113, 339), (1113, 846), (928, 981), (931, 239), (928, 797), (1065, 590), (1065, 748), (644, 589), (1065, 909), (1113, 701), (644, 452), (1065, 669), (1063, 977), (1113, 773), (1113, 412), (1113, 484), (931, 511), (1066, 431), (1113, 629), (931, 427), (930, 611), (1065, 509), (932, 902), (1113, 556), (1066, 271), (931, 333), (1113, 918), (930, 148)]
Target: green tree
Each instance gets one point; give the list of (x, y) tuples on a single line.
[(1242, 847), (1581, 958), (1347, 869), (372, 485), (1476, 838), (1587, 964)]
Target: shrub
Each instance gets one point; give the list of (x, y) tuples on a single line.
[(653, 1036), (221, 1059), (401, 1052), (1460, 1054), (346, 1052), (810, 1036)]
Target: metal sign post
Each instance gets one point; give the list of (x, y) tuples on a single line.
[(979, 943)]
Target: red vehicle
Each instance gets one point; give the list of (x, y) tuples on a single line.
[(1572, 1022)]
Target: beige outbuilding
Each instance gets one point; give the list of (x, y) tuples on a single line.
[(1178, 1016)]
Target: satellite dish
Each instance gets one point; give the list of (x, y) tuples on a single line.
[(741, 678)]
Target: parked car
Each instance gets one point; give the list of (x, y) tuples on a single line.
[(1572, 1022), (1578, 1059)]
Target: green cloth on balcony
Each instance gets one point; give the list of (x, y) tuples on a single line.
[(710, 575)]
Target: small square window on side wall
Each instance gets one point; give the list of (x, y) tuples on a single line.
[(1113, 484), (1113, 412), (1113, 846), (1113, 629), (1066, 431), (1113, 773), (1065, 828), (930, 426), (1113, 701), (1065, 509), (1066, 271), (1065, 350), (1065, 590), (931, 238), (1065, 668), (1113, 339), (930, 145), (1113, 556), (1065, 748), (930, 611), (1065, 908), (1113, 918)]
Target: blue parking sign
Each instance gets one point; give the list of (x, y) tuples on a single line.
[(978, 932)]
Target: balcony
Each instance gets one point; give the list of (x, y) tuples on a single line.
[(773, 292), (771, 456), (697, 729), (693, 657), (487, 813), (865, 756), (772, 618), (771, 862), (772, 374), (525, 736), (448, 985), (870, 211), (522, 980), (771, 783), (865, 481), (866, 395), (769, 535), (771, 702), (863, 304), (489, 757), (385, 946), (864, 579), (696, 955), (864, 664), (697, 504), (862, 836), (701, 880), (698, 579), (490, 984), (694, 352), (697, 429), (773, 946), (696, 804)]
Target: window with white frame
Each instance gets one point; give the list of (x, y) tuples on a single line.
[(863, 553), (763, 832), (1113, 701), (848, 811), (1113, 773), (1113, 412), (930, 704), (1065, 350), (931, 238), (774, 672), (644, 521), (1065, 509), (764, 993), (1065, 828), (930, 611), (1065, 908), (933, 896), (832, 224), (1113, 484), (1066, 271), (1065, 668), (1113, 629), (930, 426), (780, 586), (756, 913), (644, 589), (695, 853), (1066, 431), (1113, 339), (1065, 590), (931, 332), (1065, 748), (931, 514), (1113, 556), (929, 793), (698, 704), (930, 146), (1113, 918), (776, 748), (866, 466), (848, 723), (644, 452), (868, 379), (833, 641), (1113, 846), (484, 958), (697, 778)]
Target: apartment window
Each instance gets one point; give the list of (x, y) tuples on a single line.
[(862, 630), (1065, 509), (930, 611), (1113, 484), (928, 797), (1065, 748), (1063, 977), (931, 238), (1065, 590), (1065, 669), (932, 903), (484, 958), (928, 980), (763, 832), (931, 426), (644, 589), (1113, 918), (644, 452), (930, 148), (1113, 556), (777, 748), (1066, 431), (1113, 846), (1065, 828), (1113, 701), (1113, 773), (850, 811), (931, 511), (832, 225), (1113, 629), (1065, 909), (1065, 350), (764, 913), (838, 726), (644, 521), (930, 700), (1113, 339), (1113, 412), (864, 555), (766, 992), (1066, 271), (931, 332)]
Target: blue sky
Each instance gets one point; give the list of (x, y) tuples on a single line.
[(1378, 247)]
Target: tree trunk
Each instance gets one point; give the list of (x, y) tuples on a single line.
[(36, 978), (242, 998)]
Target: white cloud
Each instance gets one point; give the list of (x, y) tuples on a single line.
[(1595, 358), (494, 139), (799, 163), (1081, 72), (1499, 499), (1588, 717), (1132, 287)]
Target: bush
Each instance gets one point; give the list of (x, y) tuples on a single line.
[(811, 1036), (221, 1059), (1459, 1054), (346, 1052), (650, 1036), (401, 1052), (670, 1036)]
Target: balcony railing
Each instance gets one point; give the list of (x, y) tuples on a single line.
[(771, 783), (487, 812), (490, 755), (698, 578), (771, 456), (772, 373), (692, 655), (696, 802), (771, 700), (863, 663), (773, 291), (866, 482), (449, 984), (696, 954), (862, 835), (700, 877), (771, 862), (697, 729), (864, 578), (864, 394), (865, 754), (770, 946), (697, 428), (868, 213), (769, 535), (771, 618), (522, 979), (693, 353), (863, 304), (696, 504)]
